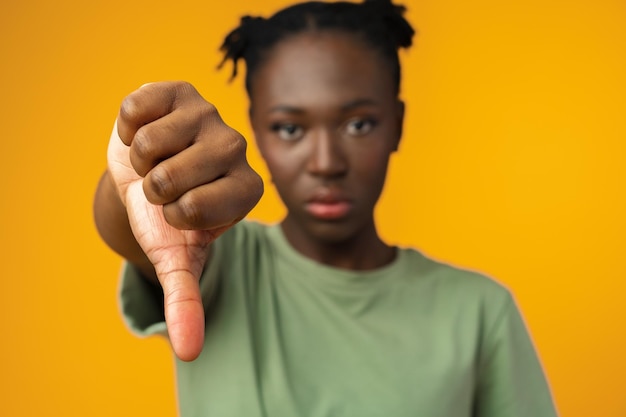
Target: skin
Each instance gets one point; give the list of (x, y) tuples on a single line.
[(326, 120), (177, 178)]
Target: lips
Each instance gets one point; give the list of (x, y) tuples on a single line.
[(328, 205)]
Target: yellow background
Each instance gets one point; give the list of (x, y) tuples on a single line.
[(512, 164)]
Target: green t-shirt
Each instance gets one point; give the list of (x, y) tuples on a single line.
[(289, 337)]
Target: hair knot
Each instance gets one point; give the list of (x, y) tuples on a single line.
[(380, 23), (237, 41), (393, 17)]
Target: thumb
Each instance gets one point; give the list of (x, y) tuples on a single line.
[(178, 257), (184, 313)]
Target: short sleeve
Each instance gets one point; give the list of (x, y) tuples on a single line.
[(511, 381), (141, 303)]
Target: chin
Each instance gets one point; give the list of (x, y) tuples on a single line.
[(332, 232)]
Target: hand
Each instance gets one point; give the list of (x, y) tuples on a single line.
[(182, 174)]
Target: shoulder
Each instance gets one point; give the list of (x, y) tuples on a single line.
[(451, 278), (456, 293)]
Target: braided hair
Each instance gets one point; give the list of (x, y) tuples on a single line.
[(380, 23)]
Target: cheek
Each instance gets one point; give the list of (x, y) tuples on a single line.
[(370, 173), (373, 163), (282, 167)]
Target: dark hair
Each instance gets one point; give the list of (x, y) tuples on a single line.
[(380, 23)]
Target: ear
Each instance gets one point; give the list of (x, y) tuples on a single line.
[(399, 123)]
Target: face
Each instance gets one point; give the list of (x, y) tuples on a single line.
[(326, 119)]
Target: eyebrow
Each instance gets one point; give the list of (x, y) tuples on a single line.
[(286, 109), (361, 102)]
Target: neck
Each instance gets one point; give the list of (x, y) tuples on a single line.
[(360, 252)]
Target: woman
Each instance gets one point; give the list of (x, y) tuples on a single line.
[(315, 316)]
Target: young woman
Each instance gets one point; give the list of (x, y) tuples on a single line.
[(315, 316)]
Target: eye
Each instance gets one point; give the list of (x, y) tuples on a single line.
[(359, 127), (288, 131)]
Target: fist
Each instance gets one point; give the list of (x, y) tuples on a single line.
[(183, 176)]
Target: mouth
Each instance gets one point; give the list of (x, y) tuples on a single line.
[(328, 205)]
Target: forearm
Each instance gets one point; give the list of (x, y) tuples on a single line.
[(112, 223)]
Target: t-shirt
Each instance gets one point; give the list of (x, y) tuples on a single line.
[(287, 336)]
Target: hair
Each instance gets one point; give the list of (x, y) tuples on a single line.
[(380, 23)]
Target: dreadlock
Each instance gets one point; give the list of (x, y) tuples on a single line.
[(379, 22)]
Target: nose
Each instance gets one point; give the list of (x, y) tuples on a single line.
[(326, 156)]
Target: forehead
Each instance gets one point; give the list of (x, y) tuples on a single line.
[(321, 68)]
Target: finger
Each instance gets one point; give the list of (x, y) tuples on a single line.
[(163, 138), (148, 103), (184, 313), (220, 203), (119, 165), (178, 259), (199, 164)]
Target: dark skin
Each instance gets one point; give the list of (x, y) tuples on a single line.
[(326, 118), (177, 178)]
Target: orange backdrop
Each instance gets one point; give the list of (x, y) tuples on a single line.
[(512, 164)]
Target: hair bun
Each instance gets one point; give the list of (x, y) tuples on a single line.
[(380, 23), (236, 42), (393, 16)]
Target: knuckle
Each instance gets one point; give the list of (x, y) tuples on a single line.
[(129, 109), (208, 113), (190, 210), (183, 86), (161, 185), (141, 142), (254, 188), (235, 144), (239, 144), (258, 186), (183, 90)]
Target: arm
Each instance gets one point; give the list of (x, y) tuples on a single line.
[(177, 178), (113, 226)]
